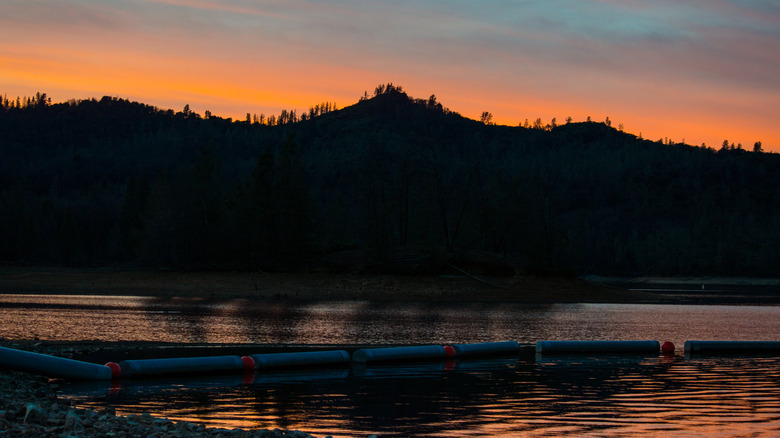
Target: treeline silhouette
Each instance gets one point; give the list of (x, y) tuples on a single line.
[(390, 183)]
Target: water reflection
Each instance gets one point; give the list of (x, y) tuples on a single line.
[(554, 396), (77, 318), (241, 321), (497, 397)]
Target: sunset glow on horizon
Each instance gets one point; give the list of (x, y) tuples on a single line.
[(696, 71)]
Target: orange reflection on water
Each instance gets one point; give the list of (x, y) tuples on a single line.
[(574, 396)]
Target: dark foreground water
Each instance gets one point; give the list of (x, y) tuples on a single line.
[(572, 396), (549, 396)]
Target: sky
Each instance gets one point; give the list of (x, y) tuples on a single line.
[(698, 71)]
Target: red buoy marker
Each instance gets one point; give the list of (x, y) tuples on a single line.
[(249, 363), (449, 351), (667, 348), (116, 370)]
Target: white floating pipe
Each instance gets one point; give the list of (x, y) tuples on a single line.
[(731, 347), (601, 347), (52, 366), (389, 354), (300, 359), (209, 364), (482, 349)]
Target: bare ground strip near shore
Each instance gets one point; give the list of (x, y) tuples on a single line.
[(308, 286)]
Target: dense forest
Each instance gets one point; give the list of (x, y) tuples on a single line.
[(391, 183)]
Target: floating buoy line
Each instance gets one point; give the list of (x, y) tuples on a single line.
[(58, 367)]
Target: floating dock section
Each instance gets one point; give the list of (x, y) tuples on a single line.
[(731, 347), (597, 347), (52, 366)]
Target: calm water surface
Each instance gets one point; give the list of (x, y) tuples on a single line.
[(75, 318), (552, 396), (575, 396)]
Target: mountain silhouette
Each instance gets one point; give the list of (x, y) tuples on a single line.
[(391, 183)]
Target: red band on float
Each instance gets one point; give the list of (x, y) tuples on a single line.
[(449, 351), (116, 370), (249, 363)]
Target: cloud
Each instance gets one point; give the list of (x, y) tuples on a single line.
[(233, 7), (644, 59), (35, 16)]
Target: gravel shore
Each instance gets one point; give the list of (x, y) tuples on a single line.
[(30, 407)]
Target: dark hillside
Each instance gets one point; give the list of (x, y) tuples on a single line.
[(390, 183)]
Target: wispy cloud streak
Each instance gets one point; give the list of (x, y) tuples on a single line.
[(645, 63)]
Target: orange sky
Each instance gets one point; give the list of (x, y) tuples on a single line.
[(698, 71)]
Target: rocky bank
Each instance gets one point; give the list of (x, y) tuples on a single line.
[(29, 407)]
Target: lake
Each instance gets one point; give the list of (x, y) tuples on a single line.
[(575, 396), (78, 318)]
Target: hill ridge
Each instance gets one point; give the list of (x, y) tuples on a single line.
[(109, 181)]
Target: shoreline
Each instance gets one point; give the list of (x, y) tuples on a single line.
[(318, 286), (310, 286)]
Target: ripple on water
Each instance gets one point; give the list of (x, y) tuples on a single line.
[(498, 397)]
